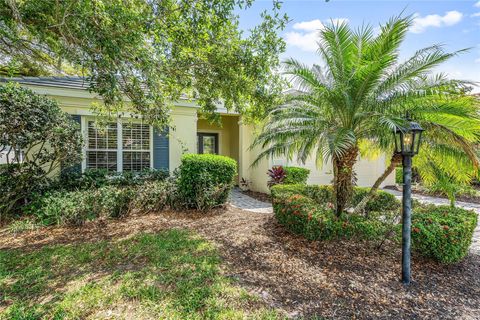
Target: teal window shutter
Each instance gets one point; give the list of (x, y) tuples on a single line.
[(77, 168), (161, 146)]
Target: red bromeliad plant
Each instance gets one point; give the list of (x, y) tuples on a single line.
[(277, 174)]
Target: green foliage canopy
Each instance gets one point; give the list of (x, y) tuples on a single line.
[(46, 136), (360, 92), (152, 52)]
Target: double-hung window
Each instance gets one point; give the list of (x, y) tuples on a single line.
[(136, 146), (118, 146), (102, 145)]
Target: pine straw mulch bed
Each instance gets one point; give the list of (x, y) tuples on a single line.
[(344, 280)]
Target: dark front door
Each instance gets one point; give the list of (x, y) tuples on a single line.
[(207, 143)]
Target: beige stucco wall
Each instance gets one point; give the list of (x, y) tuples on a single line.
[(228, 134), (367, 171), (256, 175), (183, 134)]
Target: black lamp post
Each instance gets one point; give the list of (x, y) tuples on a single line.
[(407, 143)]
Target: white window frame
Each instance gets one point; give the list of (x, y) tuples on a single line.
[(119, 150)]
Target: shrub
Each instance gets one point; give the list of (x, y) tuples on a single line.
[(137, 178), (114, 202), (76, 207), (96, 178), (323, 194), (205, 180), (399, 175), (277, 175), (295, 175), (308, 210), (33, 123), (10, 176), (442, 233), (63, 207), (381, 201), (155, 196), (71, 180), (302, 215)]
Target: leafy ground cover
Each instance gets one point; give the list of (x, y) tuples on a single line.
[(296, 277)]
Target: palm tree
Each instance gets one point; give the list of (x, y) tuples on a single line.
[(359, 93), (448, 152)]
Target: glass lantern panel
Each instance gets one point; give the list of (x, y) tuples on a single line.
[(408, 141), (418, 139)]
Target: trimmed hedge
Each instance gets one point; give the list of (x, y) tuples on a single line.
[(295, 175), (308, 210), (322, 194), (381, 201), (205, 180), (302, 215), (442, 232), (438, 232)]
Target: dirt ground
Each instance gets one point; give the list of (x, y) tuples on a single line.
[(331, 280)]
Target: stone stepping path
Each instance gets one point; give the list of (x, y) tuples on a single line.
[(247, 203)]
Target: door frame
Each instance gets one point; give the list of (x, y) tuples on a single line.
[(201, 134)]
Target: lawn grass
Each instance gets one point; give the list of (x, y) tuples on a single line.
[(169, 275)]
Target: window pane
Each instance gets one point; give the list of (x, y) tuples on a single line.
[(102, 160), (136, 160), (102, 137), (136, 136), (209, 144)]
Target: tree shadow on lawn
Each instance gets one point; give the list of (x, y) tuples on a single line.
[(98, 230), (171, 274), (349, 279)]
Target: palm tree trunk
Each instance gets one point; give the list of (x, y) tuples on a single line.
[(394, 162), (342, 181)]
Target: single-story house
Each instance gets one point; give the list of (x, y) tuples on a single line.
[(132, 145)]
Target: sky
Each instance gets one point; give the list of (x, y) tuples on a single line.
[(455, 24)]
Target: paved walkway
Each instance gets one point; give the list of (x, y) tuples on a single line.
[(475, 247), (242, 201), (437, 201)]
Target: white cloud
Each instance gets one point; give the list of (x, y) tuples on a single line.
[(434, 20), (304, 41), (476, 14), (315, 25), (477, 4), (312, 25), (307, 35)]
